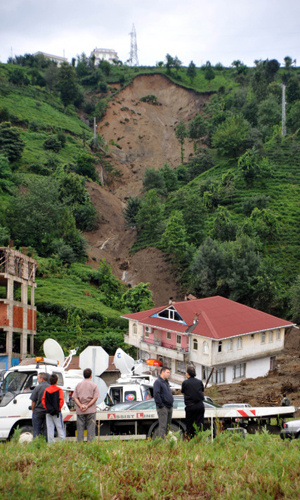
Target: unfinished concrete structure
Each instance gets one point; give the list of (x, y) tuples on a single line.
[(17, 309)]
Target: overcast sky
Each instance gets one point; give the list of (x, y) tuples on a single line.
[(214, 30)]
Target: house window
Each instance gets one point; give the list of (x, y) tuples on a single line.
[(195, 344), (134, 329), (218, 376), (278, 335), (170, 313), (239, 370), (178, 339), (239, 343), (180, 367), (168, 335), (263, 337), (252, 336), (270, 336), (230, 345), (205, 348), (220, 346)]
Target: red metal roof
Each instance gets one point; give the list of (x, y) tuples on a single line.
[(217, 318)]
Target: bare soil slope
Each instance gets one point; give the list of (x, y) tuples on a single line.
[(145, 136), (144, 131)]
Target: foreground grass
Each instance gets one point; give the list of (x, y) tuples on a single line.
[(230, 467)]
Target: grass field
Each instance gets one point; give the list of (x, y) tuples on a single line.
[(230, 467)]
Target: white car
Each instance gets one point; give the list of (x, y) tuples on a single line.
[(291, 429)]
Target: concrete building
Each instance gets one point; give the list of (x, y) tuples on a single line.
[(57, 59), (17, 309), (106, 54), (234, 340)]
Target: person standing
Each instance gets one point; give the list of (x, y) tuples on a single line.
[(85, 396), (53, 400), (38, 411), (193, 389), (285, 401), (164, 401)]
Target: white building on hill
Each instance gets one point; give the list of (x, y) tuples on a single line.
[(106, 54)]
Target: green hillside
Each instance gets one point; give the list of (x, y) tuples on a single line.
[(227, 218)]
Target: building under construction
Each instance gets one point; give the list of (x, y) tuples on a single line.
[(17, 309)]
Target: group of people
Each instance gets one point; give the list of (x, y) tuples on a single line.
[(192, 389), (48, 399)]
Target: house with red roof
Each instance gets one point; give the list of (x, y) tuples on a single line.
[(234, 340)]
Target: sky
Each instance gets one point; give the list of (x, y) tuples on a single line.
[(193, 30)]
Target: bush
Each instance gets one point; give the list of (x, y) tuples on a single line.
[(86, 217), (53, 144)]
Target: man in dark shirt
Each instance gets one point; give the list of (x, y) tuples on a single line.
[(38, 411), (164, 401), (193, 389)]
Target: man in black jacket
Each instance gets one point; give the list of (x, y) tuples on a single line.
[(193, 389), (164, 401)]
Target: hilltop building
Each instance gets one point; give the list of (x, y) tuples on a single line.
[(106, 54), (234, 340), (17, 313), (57, 59)]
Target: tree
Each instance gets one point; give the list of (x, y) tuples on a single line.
[(197, 127), (138, 298), (181, 133), (191, 71), (85, 166), (224, 228), (172, 62), (37, 217), (288, 61), (130, 212), (174, 238), (154, 180), (169, 177), (295, 300), (10, 143), (149, 218), (209, 73), (230, 135), (67, 84), (207, 269)]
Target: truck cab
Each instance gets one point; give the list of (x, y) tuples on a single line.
[(16, 389)]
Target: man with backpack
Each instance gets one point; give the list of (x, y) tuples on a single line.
[(53, 400)]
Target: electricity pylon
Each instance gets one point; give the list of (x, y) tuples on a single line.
[(133, 57)]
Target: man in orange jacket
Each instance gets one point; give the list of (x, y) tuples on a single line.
[(53, 400)]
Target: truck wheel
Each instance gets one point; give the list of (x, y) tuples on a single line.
[(173, 428), (26, 435)]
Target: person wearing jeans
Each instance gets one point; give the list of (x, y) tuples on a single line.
[(53, 400), (164, 401)]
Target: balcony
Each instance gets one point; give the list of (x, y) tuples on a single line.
[(164, 349)]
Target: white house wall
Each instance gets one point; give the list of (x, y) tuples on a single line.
[(250, 347)]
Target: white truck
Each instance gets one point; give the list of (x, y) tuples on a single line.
[(144, 423), (18, 384)]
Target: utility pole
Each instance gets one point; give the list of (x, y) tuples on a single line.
[(283, 113), (95, 132), (133, 57)]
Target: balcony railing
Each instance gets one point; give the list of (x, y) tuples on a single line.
[(167, 345)]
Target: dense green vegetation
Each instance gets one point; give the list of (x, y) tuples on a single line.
[(228, 217), (259, 466)]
